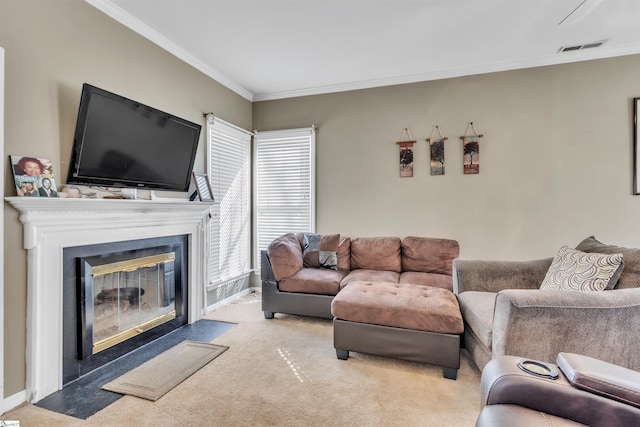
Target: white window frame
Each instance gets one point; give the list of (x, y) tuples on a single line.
[(300, 136), (223, 135)]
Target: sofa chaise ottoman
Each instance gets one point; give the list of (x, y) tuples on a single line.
[(404, 321)]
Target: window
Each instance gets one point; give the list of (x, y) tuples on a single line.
[(230, 226), (284, 183)]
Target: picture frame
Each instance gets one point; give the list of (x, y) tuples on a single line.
[(203, 187), (33, 176), (636, 148)]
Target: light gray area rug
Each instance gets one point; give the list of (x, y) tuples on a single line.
[(154, 378)]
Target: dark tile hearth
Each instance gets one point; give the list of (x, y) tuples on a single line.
[(84, 397)]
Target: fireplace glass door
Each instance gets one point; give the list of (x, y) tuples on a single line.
[(124, 298)]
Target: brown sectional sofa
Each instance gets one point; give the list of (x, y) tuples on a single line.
[(399, 301), (290, 287)]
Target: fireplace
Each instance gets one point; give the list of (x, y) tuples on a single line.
[(53, 224), (118, 296)]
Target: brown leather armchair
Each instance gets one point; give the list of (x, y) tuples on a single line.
[(579, 390)]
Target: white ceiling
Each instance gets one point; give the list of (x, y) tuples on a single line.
[(272, 49)]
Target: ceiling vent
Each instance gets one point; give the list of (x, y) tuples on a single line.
[(581, 46)]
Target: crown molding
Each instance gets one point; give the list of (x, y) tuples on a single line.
[(447, 73), (126, 19)]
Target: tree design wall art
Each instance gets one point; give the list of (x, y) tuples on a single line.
[(436, 150), (471, 151), (406, 158), (406, 154)]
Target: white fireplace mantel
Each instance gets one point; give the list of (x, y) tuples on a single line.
[(52, 224)]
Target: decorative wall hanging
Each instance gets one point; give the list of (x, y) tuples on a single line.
[(436, 149), (471, 150), (406, 153), (33, 177)]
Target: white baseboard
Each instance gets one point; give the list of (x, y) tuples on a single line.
[(8, 403), (233, 298)]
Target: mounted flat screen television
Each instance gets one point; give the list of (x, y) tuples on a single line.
[(119, 142)]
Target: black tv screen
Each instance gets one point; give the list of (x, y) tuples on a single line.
[(119, 142)]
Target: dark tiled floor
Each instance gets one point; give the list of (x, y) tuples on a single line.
[(84, 397)]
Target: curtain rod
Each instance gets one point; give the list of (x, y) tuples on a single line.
[(228, 123), (315, 127)]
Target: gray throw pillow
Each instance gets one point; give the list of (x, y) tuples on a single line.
[(574, 270), (321, 250), (630, 277)]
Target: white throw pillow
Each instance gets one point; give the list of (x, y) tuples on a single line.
[(574, 270)]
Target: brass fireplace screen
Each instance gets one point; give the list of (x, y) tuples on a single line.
[(126, 298)]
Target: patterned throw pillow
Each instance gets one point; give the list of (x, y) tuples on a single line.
[(321, 250), (574, 270)]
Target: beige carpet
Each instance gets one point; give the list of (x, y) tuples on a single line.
[(284, 372), (154, 378)]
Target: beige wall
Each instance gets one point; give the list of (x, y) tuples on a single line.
[(556, 159), (52, 47)]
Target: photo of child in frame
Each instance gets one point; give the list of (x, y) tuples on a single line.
[(33, 177)]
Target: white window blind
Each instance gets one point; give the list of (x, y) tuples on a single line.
[(284, 184), (230, 226)]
